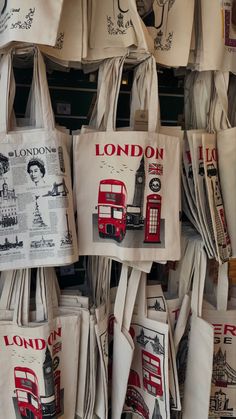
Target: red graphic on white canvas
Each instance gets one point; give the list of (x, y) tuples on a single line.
[(112, 201), (155, 169), (133, 396), (230, 34), (152, 377), (153, 219), (29, 402)]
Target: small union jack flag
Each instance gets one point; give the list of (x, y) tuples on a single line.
[(155, 169)]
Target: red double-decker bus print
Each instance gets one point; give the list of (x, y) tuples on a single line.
[(152, 377), (27, 393), (112, 204)]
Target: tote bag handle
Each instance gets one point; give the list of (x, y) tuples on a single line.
[(222, 287), (126, 296), (144, 94), (199, 276), (109, 80), (43, 107)]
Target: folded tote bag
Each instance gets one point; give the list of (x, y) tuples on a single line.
[(37, 224), (30, 21), (38, 360), (223, 399), (170, 24)]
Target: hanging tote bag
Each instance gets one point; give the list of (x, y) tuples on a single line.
[(68, 46), (123, 345), (223, 400), (38, 361), (200, 350), (218, 45), (114, 24), (31, 21), (128, 208), (148, 385), (37, 223), (170, 25)]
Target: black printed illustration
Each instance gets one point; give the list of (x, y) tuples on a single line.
[(152, 374), (223, 239), (135, 218), (118, 24), (156, 304), (134, 399), (156, 412), (7, 245), (116, 216), (155, 184), (220, 403), (58, 189), (38, 219), (42, 243), (4, 164), (29, 402), (24, 24), (223, 374), (60, 41), (67, 239), (61, 159), (8, 206), (154, 340), (155, 14), (3, 5), (36, 170)]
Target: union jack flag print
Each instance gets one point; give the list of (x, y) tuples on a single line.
[(155, 169)]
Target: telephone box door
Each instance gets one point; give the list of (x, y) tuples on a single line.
[(153, 219)]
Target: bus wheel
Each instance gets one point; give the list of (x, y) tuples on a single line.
[(102, 235), (120, 237), (30, 414)]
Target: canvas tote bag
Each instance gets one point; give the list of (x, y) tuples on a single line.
[(30, 384), (218, 45), (120, 191), (223, 400), (170, 25), (123, 345), (68, 46), (200, 350), (148, 385), (37, 226), (30, 21), (114, 24), (226, 148)]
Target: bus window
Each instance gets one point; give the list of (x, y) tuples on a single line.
[(30, 377), (105, 187), (26, 383), (116, 188), (34, 402), (20, 374), (22, 396), (104, 211), (117, 213)]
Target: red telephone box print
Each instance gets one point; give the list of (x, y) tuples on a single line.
[(153, 219)]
